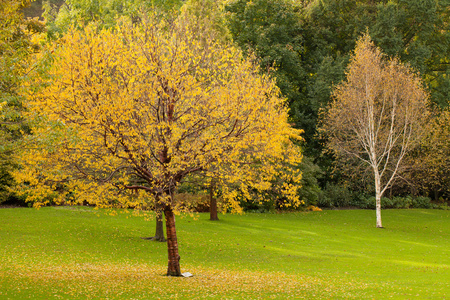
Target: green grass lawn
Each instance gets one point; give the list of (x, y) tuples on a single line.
[(80, 253)]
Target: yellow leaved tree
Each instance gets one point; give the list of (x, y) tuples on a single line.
[(123, 116), (19, 39)]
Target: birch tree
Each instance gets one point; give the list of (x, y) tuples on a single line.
[(376, 115), (124, 116)]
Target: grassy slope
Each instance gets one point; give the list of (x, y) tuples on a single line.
[(76, 253)]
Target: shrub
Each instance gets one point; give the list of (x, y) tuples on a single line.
[(359, 200), (335, 196), (310, 192), (422, 202), (194, 202), (396, 202)]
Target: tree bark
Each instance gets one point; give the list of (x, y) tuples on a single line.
[(173, 268), (378, 198), (159, 232), (378, 208), (212, 203)]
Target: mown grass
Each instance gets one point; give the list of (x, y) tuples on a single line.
[(80, 253)]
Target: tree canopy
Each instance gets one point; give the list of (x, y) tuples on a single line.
[(377, 115), (140, 108)]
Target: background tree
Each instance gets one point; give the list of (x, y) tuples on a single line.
[(329, 31), (79, 13), (376, 115), (417, 32), (17, 43), (271, 30), (141, 108), (431, 165)]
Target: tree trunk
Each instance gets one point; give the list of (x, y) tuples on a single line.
[(378, 208), (436, 194), (159, 232), (173, 268), (212, 203), (378, 199)]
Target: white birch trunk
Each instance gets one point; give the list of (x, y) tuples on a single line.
[(378, 198)]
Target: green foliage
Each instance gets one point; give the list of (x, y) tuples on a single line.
[(310, 191), (198, 202), (5, 181), (334, 26), (104, 13), (334, 200), (335, 196), (271, 29), (417, 31), (15, 49), (341, 196), (81, 253), (400, 202), (330, 30), (329, 72)]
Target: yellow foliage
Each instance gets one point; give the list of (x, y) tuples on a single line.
[(313, 208), (134, 110)]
